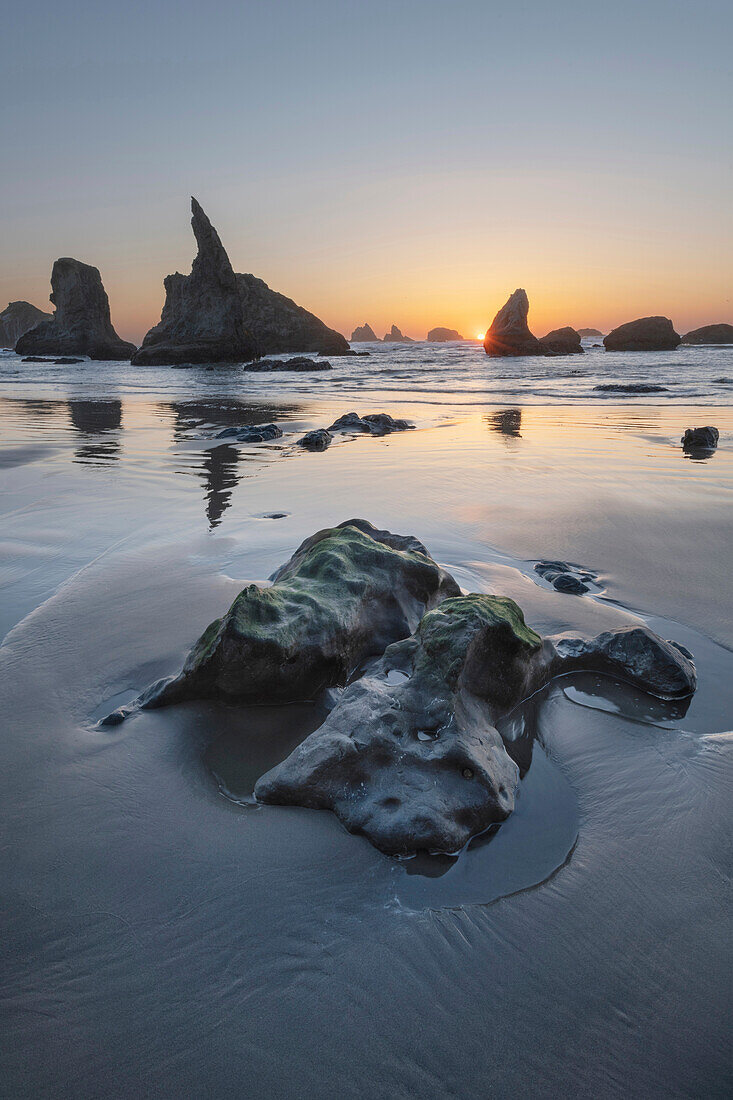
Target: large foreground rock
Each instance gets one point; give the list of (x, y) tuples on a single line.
[(443, 335), (645, 334), (278, 324), (562, 341), (509, 332), (346, 593), (201, 320), (411, 756), (710, 334), (17, 319), (81, 323), (394, 336), (364, 333)]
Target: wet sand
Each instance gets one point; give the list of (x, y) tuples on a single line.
[(164, 935)]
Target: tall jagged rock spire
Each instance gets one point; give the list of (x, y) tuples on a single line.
[(509, 332)]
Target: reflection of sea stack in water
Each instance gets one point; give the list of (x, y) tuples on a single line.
[(394, 336), (201, 320), (99, 423), (219, 468), (645, 334), (81, 323), (562, 341), (443, 335), (710, 334), (506, 421), (509, 332), (17, 319), (363, 334)]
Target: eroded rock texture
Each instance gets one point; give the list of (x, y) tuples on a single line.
[(710, 334), (562, 341), (81, 323), (279, 324), (509, 332), (645, 334), (17, 319)]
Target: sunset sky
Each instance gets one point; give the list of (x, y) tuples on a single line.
[(406, 162)]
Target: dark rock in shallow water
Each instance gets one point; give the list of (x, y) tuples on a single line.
[(81, 323), (18, 318), (630, 387), (411, 756), (346, 593), (299, 363), (443, 335), (709, 334), (645, 334), (364, 333), (254, 433), (509, 332), (562, 341), (317, 440), (202, 318), (279, 324), (563, 577), (700, 439), (394, 336), (371, 424)]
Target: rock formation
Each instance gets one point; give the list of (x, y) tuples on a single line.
[(443, 335), (364, 333), (317, 440), (562, 341), (202, 319), (700, 439), (410, 756), (583, 332), (708, 334), (509, 332), (645, 334), (279, 325), (394, 336), (369, 424), (81, 323), (17, 319)]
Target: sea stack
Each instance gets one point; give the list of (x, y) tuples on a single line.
[(562, 341), (509, 332), (278, 324), (645, 334), (81, 323), (363, 334), (443, 335), (17, 319), (201, 320), (394, 336), (708, 334), (583, 332)]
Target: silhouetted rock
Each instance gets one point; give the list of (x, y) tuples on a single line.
[(278, 324), (364, 333), (509, 332), (630, 387), (394, 336), (371, 423), (317, 440), (298, 363), (443, 335), (708, 334), (700, 439), (562, 341), (81, 322), (645, 334), (17, 319), (583, 332), (201, 320), (251, 433)]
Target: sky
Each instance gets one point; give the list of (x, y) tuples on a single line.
[(407, 162)]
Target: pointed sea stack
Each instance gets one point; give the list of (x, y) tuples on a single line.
[(509, 332), (364, 333), (17, 319), (81, 323), (562, 341), (394, 336), (646, 334), (201, 320), (708, 334)]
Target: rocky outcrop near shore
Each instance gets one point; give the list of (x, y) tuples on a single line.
[(364, 334), (710, 334), (644, 334), (394, 336), (509, 333), (81, 323), (443, 335), (17, 319), (278, 324), (700, 440), (202, 319), (562, 341)]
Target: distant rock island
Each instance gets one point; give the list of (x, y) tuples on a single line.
[(589, 332), (443, 335), (216, 316), (394, 336), (81, 323), (644, 334), (364, 333), (708, 334), (17, 319)]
